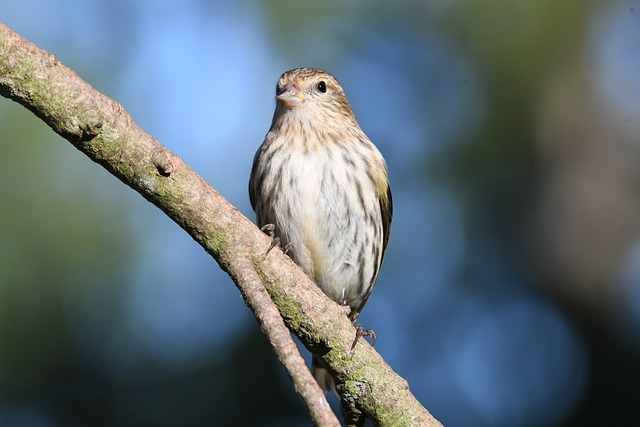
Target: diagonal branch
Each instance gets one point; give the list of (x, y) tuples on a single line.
[(99, 127)]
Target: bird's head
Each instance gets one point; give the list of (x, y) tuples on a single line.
[(311, 93)]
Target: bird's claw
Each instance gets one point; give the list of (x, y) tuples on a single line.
[(362, 332), (286, 248), (269, 229)]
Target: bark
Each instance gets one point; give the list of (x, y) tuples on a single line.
[(274, 288)]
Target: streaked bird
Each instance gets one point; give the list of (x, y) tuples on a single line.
[(324, 187)]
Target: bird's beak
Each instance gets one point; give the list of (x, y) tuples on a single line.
[(290, 96)]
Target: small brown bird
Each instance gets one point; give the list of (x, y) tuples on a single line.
[(324, 186)]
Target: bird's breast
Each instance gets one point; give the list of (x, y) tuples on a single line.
[(324, 210)]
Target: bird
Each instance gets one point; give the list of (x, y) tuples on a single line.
[(322, 187)]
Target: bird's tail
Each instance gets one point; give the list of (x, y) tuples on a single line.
[(322, 376)]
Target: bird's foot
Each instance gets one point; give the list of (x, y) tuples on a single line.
[(269, 229), (361, 331)]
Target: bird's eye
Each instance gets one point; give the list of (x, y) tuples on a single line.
[(322, 87)]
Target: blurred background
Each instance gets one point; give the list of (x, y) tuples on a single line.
[(510, 294)]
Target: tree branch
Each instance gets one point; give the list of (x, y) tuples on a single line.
[(99, 127)]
